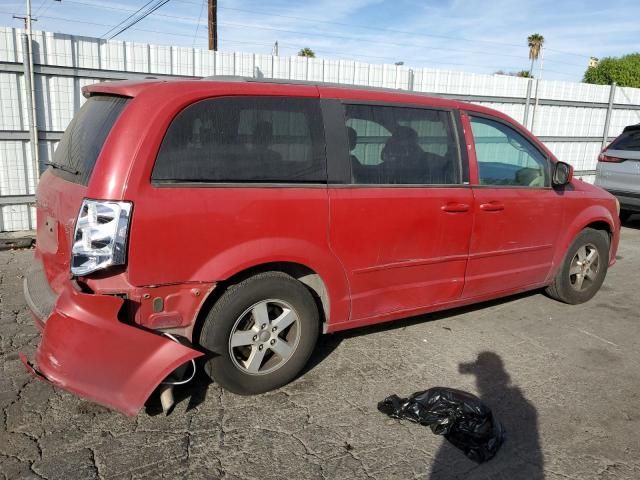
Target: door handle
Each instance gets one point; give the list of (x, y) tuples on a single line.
[(455, 207), (492, 206)]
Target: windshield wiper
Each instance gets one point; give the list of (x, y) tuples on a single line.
[(62, 167)]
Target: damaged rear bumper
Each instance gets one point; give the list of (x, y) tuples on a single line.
[(86, 350)]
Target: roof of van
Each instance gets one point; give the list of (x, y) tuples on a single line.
[(252, 86)]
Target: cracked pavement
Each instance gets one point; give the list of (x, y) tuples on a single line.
[(564, 380)]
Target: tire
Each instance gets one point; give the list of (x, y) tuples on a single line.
[(567, 286), (625, 215), (271, 299)]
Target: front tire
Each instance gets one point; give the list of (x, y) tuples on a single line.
[(584, 268), (261, 333)]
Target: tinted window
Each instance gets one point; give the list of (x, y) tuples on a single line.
[(397, 145), (505, 157), (83, 139), (629, 140), (244, 139)]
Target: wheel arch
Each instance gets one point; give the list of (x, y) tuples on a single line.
[(596, 217), (304, 274)]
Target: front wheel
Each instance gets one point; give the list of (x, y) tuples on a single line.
[(261, 332), (584, 268)]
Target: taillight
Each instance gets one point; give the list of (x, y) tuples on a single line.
[(606, 158), (100, 238)]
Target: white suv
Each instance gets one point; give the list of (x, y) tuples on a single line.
[(618, 170)]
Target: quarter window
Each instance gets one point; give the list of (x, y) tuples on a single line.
[(398, 145), (244, 139), (505, 157)]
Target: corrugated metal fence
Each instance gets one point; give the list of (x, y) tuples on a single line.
[(571, 118)]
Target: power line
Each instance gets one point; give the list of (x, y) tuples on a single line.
[(345, 37), (425, 59), (199, 19), (131, 24), (126, 19), (294, 48), (316, 21), (175, 34), (368, 27), (39, 7)]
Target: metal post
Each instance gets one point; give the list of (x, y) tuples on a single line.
[(31, 94), (535, 107), (273, 66), (527, 103), (411, 80), (538, 80), (607, 121), (31, 111)]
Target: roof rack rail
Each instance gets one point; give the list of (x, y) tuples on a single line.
[(286, 81)]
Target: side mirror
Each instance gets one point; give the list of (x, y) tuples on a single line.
[(562, 174)]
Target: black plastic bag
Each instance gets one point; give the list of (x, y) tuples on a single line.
[(461, 417)]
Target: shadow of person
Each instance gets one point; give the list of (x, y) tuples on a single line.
[(520, 456)]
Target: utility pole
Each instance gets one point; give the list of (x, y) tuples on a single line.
[(275, 49), (29, 77), (213, 25)]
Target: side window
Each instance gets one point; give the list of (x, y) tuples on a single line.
[(505, 157), (244, 139), (398, 145)]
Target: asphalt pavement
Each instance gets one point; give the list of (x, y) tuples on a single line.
[(564, 380)]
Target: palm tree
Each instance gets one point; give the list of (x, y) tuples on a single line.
[(306, 52), (535, 42)]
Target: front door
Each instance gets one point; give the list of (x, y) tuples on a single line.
[(517, 213), (401, 226)]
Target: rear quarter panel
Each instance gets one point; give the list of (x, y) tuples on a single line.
[(209, 233)]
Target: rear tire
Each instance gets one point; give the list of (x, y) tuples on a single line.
[(261, 333), (584, 268)]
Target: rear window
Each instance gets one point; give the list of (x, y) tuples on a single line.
[(629, 140), (83, 139), (244, 139)]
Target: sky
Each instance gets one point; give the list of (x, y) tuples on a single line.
[(462, 35)]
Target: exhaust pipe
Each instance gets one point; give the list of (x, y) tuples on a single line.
[(177, 377)]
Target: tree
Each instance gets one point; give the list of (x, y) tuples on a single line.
[(625, 71), (306, 52), (535, 42)]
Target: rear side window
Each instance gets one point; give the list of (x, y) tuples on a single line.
[(401, 145), (84, 138), (244, 139), (629, 140), (507, 158)]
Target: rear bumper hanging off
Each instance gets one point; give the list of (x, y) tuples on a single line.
[(86, 350)]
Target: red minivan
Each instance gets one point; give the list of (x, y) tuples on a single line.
[(236, 220)]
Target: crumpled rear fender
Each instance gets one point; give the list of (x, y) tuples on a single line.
[(86, 350)]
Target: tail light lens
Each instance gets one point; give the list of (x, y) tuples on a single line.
[(100, 238), (606, 158)]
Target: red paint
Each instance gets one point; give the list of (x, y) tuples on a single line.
[(382, 253), (86, 350)]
